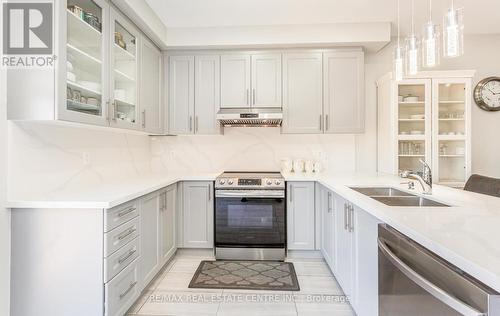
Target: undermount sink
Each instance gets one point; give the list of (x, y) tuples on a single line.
[(394, 197), (381, 191), (408, 201)]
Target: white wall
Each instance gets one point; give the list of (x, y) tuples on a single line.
[(250, 149)]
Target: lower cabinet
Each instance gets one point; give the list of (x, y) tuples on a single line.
[(344, 241), (300, 216), (328, 212), (197, 215), (167, 223), (150, 219)]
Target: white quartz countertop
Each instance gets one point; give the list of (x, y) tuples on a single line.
[(467, 234)]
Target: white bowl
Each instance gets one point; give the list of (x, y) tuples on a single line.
[(417, 116), (416, 132), (91, 85), (410, 99)]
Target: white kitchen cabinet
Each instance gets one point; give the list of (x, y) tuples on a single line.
[(151, 105), (343, 79), (124, 73), (150, 219), (300, 216), (181, 94), (365, 299), (207, 94), (197, 215), (344, 246), (302, 93), (432, 122), (328, 227), (266, 80), (167, 232), (235, 81)]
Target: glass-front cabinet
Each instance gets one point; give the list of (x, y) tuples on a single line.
[(124, 63), (451, 126), (413, 122), (102, 57)]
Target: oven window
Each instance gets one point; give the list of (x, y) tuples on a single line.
[(250, 222)]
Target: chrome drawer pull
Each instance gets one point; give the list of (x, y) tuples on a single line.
[(130, 254), (126, 234), (128, 290), (127, 211)]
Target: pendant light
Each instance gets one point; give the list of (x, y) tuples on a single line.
[(398, 57), (430, 42), (412, 47), (453, 32)]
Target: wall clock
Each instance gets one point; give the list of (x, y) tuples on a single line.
[(487, 94)]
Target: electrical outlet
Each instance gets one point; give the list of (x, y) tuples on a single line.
[(86, 158)]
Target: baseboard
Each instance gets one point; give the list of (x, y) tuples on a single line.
[(306, 254)]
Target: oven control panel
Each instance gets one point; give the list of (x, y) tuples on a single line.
[(249, 183)]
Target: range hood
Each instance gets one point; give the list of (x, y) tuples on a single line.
[(250, 117)]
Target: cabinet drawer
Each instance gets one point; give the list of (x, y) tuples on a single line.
[(122, 290), (116, 216), (120, 236), (120, 259)]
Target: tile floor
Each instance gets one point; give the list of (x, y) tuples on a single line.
[(169, 295)]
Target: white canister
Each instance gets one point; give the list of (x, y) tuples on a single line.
[(298, 165), (316, 166), (309, 166), (286, 165)]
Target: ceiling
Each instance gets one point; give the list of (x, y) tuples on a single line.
[(481, 16)]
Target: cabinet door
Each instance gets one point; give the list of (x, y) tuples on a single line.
[(198, 212), (365, 292), (235, 81), (343, 247), (181, 94), (207, 94), (124, 72), (152, 108), (344, 92), (84, 89), (266, 80), (302, 91), (149, 260), (300, 216), (167, 223), (327, 227)]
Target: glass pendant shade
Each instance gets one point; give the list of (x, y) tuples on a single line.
[(398, 63), (412, 47), (431, 42), (453, 33)]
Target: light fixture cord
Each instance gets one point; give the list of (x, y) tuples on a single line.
[(412, 17), (430, 10), (398, 24)]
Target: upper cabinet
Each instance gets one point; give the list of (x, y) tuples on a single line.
[(303, 93), (152, 107), (343, 92), (323, 92), (98, 73), (194, 94), (251, 80)]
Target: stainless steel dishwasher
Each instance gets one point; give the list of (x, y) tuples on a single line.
[(414, 281)]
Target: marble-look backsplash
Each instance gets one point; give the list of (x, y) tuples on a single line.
[(49, 158), (250, 149)]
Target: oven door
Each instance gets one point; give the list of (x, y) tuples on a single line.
[(250, 218)]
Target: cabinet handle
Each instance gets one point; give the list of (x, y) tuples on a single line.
[(127, 211), (209, 193), (291, 190), (321, 122), (131, 286), (126, 234), (253, 97), (345, 216), (351, 218), (327, 123), (165, 201), (143, 118), (328, 202), (107, 111), (130, 254), (196, 126), (190, 123), (113, 116), (248, 96)]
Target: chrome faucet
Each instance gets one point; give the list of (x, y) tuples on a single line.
[(425, 180)]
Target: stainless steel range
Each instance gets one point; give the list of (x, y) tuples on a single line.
[(250, 216)]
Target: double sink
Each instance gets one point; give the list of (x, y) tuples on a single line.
[(395, 197)]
